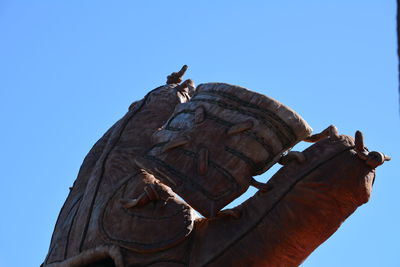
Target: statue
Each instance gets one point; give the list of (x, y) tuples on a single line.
[(181, 149)]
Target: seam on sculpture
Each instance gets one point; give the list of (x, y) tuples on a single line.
[(176, 237), (189, 246), (256, 167), (141, 216), (48, 254), (96, 151), (66, 246), (242, 156), (58, 218), (211, 164), (156, 145), (273, 206), (224, 171), (234, 98), (110, 146), (189, 111), (185, 179), (218, 120), (70, 229), (97, 186), (173, 129), (163, 261), (124, 189), (73, 205), (156, 218), (275, 128), (92, 254), (262, 142)]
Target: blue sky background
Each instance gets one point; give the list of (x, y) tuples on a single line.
[(70, 69)]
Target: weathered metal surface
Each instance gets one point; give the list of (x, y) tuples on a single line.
[(118, 214), (211, 147)]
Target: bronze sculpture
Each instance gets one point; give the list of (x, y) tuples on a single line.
[(205, 144)]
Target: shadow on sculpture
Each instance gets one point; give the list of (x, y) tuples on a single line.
[(182, 149)]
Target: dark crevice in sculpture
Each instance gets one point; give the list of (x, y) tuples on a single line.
[(102, 263)]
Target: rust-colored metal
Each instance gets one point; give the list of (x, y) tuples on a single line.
[(373, 158), (177, 142), (331, 132), (204, 146), (176, 77), (203, 161), (292, 155), (240, 127), (199, 115)]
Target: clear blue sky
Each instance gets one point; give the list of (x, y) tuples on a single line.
[(70, 69)]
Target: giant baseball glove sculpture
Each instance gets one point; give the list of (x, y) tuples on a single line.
[(204, 146)]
